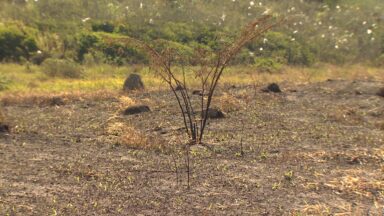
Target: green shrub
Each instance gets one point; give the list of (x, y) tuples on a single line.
[(298, 54), (4, 82), (62, 68), (282, 48), (245, 57), (379, 61), (93, 46), (103, 27), (267, 65), (86, 42), (179, 32), (119, 54), (15, 45), (39, 58), (94, 58)]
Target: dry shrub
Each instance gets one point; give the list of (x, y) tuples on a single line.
[(131, 137), (134, 138), (228, 103), (210, 66), (125, 101), (127, 135)]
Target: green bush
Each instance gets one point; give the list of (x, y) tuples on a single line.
[(103, 27), (379, 61), (62, 68), (15, 45), (86, 42), (179, 32), (4, 82), (244, 57), (92, 45), (267, 65), (119, 54), (39, 58), (283, 49), (94, 58), (297, 54)]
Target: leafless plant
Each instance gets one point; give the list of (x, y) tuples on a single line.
[(211, 67)]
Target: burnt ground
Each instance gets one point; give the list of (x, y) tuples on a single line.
[(315, 149)]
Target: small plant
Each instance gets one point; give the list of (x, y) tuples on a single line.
[(276, 185), (211, 65), (288, 175), (62, 68), (263, 155)]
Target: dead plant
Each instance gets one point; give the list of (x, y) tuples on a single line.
[(211, 65)]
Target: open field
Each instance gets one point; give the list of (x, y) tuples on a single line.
[(30, 79), (315, 149)]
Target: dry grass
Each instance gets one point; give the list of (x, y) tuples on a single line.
[(345, 114), (2, 116), (111, 78), (380, 125), (358, 182), (314, 209), (125, 101), (46, 98), (228, 103), (336, 169), (134, 138), (128, 136)]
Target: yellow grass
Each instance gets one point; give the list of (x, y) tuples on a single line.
[(31, 79)]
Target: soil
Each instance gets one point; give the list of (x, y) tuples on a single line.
[(315, 149)]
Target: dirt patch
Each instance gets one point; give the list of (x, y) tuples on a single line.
[(316, 150)]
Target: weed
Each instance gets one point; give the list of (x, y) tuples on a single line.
[(276, 185), (264, 155), (288, 175), (62, 68)]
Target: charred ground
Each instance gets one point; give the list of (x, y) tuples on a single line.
[(313, 149)]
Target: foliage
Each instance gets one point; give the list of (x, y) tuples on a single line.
[(283, 49), (267, 65), (103, 27), (4, 82), (112, 53), (62, 68), (86, 42), (379, 61), (39, 58), (15, 45), (335, 31)]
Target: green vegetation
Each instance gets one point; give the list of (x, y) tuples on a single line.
[(61, 68), (336, 32), (15, 45), (61, 45)]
